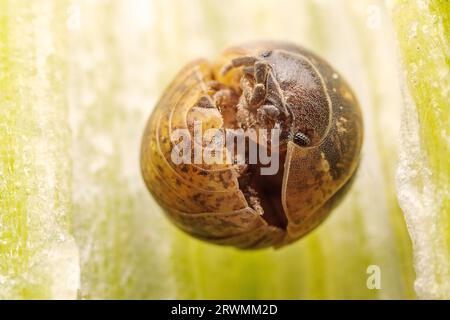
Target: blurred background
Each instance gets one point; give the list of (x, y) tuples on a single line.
[(78, 80)]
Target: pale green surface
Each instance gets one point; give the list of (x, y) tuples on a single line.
[(38, 255), (423, 29), (99, 73), (124, 240)]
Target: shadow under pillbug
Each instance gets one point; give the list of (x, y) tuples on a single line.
[(259, 85)]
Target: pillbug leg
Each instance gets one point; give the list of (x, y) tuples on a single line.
[(247, 89), (214, 85), (226, 100), (268, 111), (261, 69), (244, 116), (249, 70), (239, 62), (259, 92), (205, 102), (223, 95), (258, 95)]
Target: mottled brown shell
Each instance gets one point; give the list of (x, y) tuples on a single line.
[(206, 201)]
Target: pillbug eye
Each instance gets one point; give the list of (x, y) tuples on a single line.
[(266, 54), (301, 139)]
